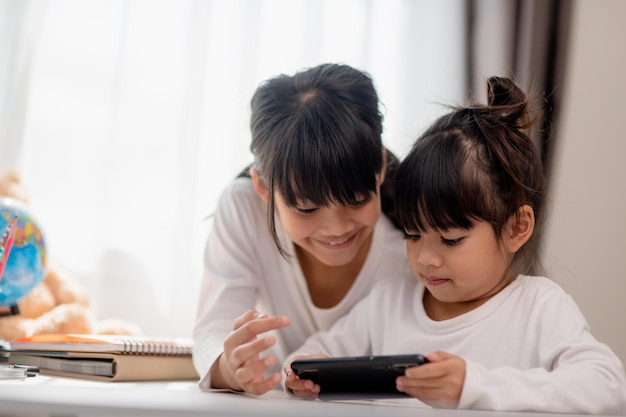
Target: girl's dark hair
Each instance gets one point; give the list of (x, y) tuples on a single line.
[(476, 163), (316, 137)]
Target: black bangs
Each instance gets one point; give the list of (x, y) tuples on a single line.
[(333, 158), (433, 191)]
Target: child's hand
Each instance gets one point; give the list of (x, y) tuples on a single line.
[(438, 383), (297, 387), (241, 367)]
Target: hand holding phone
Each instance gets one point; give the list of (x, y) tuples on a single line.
[(356, 377)]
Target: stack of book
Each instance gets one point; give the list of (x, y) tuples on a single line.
[(106, 357)]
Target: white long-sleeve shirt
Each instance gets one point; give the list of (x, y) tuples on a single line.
[(527, 349), (244, 270)]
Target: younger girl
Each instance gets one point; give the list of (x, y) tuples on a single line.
[(299, 237), (469, 198)]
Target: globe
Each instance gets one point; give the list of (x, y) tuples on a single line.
[(26, 261)]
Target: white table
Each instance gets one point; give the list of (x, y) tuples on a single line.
[(67, 397)]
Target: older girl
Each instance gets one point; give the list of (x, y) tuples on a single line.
[(299, 239)]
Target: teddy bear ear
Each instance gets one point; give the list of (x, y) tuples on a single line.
[(11, 185)]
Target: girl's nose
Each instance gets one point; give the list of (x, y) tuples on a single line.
[(428, 256), (337, 221)]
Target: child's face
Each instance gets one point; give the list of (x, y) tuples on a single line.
[(460, 268), (334, 235)]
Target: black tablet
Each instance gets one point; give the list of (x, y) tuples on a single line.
[(357, 377)]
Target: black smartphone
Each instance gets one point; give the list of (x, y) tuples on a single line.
[(357, 377)]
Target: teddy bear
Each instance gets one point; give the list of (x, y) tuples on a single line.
[(58, 304)]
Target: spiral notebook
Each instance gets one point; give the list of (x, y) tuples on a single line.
[(106, 357), (104, 343)]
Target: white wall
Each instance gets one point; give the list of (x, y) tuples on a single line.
[(585, 246)]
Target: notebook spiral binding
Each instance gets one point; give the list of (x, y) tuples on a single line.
[(149, 347)]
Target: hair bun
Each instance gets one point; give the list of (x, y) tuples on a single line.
[(504, 96), (504, 92)]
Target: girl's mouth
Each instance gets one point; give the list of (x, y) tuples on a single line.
[(338, 244), (434, 281)]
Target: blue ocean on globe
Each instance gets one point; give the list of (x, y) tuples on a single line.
[(26, 262)]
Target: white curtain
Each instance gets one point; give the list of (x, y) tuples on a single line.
[(127, 118)]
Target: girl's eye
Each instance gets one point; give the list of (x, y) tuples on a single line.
[(451, 242), (306, 210), (409, 236)]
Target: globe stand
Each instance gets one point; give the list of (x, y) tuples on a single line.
[(13, 310)]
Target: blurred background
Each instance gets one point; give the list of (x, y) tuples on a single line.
[(126, 118)]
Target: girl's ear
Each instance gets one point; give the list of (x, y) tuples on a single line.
[(260, 186), (519, 228)]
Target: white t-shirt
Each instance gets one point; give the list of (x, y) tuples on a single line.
[(527, 349), (244, 270)]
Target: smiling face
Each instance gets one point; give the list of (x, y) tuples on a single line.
[(333, 235), (331, 221)]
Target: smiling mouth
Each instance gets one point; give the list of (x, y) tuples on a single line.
[(339, 244)]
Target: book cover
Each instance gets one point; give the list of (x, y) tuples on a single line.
[(104, 366), (104, 343)]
